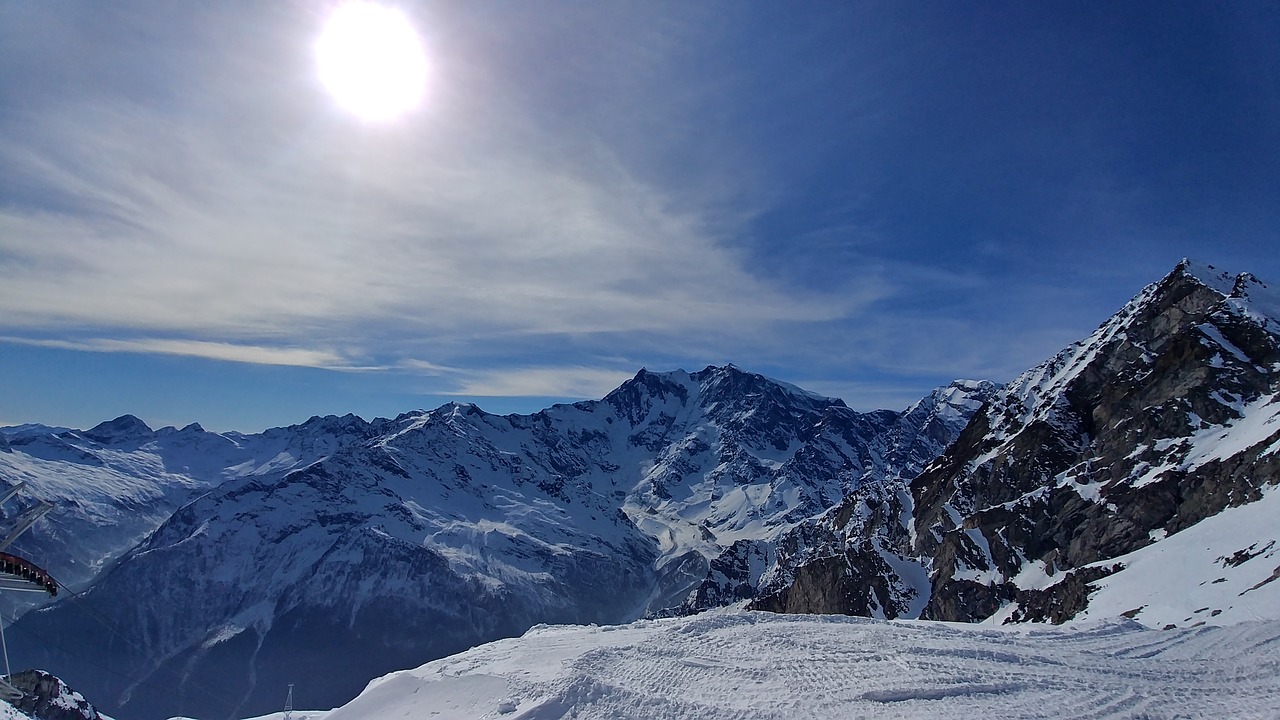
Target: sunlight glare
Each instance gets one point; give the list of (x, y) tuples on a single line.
[(371, 60)]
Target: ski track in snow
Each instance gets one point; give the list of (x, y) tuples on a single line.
[(725, 665)]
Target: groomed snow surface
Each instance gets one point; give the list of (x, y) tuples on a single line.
[(731, 664)]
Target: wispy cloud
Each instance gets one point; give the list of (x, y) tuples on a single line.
[(253, 354), (408, 235), (287, 221), (424, 367)]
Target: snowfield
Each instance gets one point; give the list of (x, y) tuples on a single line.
[(731, 664), (1225, 569)]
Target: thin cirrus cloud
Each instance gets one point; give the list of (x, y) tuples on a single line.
[(251, 354), (442, 230)]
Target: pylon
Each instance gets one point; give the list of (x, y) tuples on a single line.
[(288, 704)]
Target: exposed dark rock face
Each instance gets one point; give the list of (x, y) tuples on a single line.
[(1061, 601), (868, 533), (733, 576), (965, 598), (123, 428), (858, 583)]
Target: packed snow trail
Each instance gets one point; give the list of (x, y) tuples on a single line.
[(731, 665)]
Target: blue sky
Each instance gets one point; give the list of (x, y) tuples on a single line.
[(864, 199)]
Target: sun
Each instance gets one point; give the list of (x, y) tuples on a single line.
[(371, 60)]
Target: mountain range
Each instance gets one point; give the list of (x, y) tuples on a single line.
[(216, 568)]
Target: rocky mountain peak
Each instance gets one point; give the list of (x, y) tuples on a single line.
[(735, 385), (1165, 416), (1192, 304), (635, 399), (959, 398), (330, 423), (1251, 295), (1106, 443), (1211, 276), (726, 393), (122, 429)]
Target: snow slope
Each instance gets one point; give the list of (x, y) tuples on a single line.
[(734, 665), (1226, 568)]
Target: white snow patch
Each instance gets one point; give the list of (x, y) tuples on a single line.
[(1260, 420), (914, 576), (297, 715), (1087, 491), (9, 712), (979, 575), (1211, 277), (1213, 333), (1194, 561), (1034, 575)]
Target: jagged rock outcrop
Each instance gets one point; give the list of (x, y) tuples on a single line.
[(1117, 438), (46, 697), (1057, 603), (1168, 414)]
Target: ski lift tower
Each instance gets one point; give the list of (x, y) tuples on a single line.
[(17, 574)]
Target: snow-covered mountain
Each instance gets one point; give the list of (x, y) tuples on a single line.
[(114, 484), (876, 511), (1079, 478), (413, 538)]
